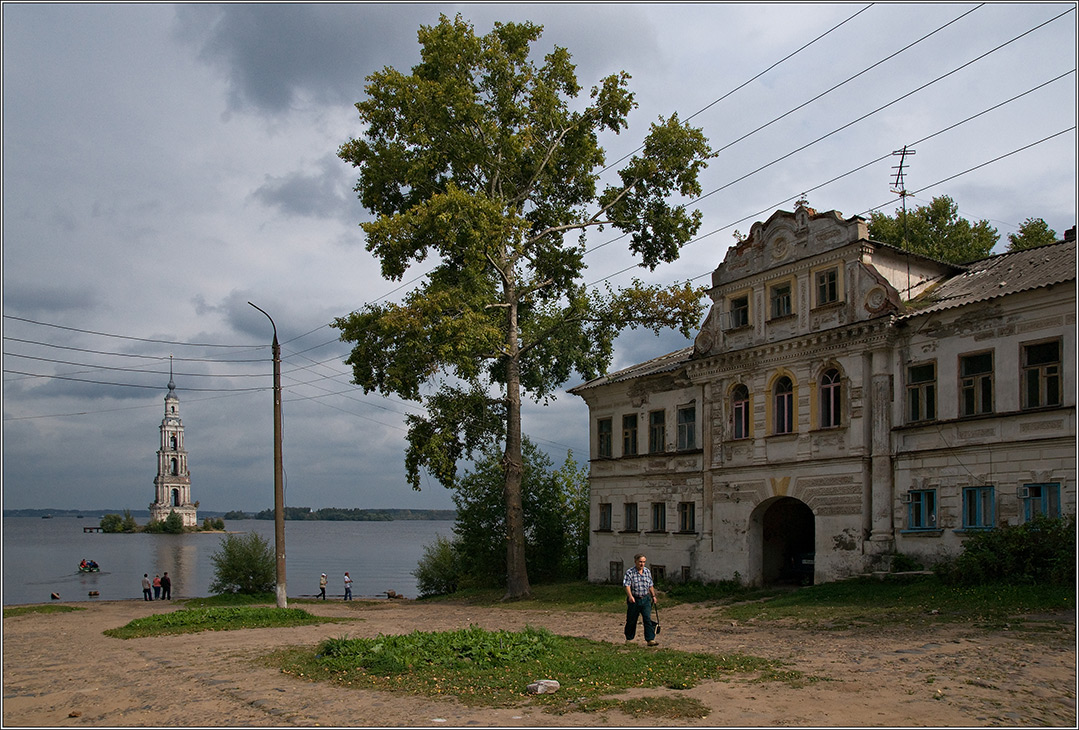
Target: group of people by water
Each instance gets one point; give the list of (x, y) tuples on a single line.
[(160, 588), (322, 581)]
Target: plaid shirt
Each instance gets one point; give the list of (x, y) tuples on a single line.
[(639, 583)]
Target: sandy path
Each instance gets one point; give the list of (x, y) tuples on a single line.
[(59, 670)]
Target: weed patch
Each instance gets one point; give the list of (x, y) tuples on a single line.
[(10, 611), (222, 618), (866, 603), (493, 668)]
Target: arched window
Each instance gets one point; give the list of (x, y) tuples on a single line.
[(784, 406), (172, 443), (830, 399), (175, 497), (175, 467), (740, 412)]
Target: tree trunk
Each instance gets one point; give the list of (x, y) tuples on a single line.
[(516, 572)]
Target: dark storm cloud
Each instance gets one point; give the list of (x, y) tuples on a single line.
[(324, 193), (22, 299), (276, 57)]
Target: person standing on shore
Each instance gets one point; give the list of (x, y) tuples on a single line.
[(322, 587), (640, 596), (157, 586), (166, 587), (348, 587), (146, 587)]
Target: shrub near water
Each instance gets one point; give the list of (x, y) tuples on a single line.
[(245, 564)]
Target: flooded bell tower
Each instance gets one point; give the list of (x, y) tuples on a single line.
[(172, 485)]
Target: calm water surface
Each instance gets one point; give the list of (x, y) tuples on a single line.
[(42, 557)]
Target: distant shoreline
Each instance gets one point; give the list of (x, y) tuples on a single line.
[(331, 514)]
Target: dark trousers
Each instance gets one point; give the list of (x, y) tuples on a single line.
[(640, 607), (146, 594), (166, 593)]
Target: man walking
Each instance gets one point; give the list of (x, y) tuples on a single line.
[(640, 597)]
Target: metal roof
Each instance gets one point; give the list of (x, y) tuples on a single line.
[(662, 364), (1001, 275)]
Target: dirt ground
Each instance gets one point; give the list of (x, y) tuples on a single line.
[(59, 671)]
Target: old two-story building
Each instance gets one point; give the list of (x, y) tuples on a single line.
[(844, 401)]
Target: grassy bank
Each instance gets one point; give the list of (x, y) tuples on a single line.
[(493, 668)]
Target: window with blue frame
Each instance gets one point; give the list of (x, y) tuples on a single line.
[(978, 508), (922, 509), (1040, 499)]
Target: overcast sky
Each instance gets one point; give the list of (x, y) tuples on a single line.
[(164, 165)]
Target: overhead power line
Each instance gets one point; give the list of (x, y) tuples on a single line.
[(131, 385), (128, 354), (138, 339), (750, 81)]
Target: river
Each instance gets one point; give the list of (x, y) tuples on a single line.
[(41, 557)]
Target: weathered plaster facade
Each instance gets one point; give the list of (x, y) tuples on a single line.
[(172, 485), (804, 454)]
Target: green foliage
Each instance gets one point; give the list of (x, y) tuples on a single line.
[(1032, 232), (236, 514), (905, 600), (174, 523), (469, 647), (935, 230), (902, 563), (112, 523), (129, 524), (1039, 551), (231, 599), (220, 618), (439, 569), (572, 487), (482, 159), (12, 611), (244, 564), (209, 524), (154, 527), (493, 668), (555, 506)]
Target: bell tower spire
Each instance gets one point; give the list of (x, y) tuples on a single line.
[(172, 485)]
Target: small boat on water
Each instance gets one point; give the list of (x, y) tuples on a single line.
[(46, 517), (89, 566)]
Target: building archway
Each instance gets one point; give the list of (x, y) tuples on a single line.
[(787, 541)]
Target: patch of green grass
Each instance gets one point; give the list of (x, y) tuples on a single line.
[(494, 668), (599, 597), (10, 611), (221, 618), (232, 599), (908, 601)]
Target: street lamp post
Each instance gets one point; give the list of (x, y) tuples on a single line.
[(278, 471)]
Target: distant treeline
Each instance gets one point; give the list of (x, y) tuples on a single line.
[(340, 514)]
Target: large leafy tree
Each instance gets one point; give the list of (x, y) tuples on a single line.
[(481, 160), (1032, 232), (935, 230)]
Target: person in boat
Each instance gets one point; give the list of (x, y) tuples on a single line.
[(83, 565)]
